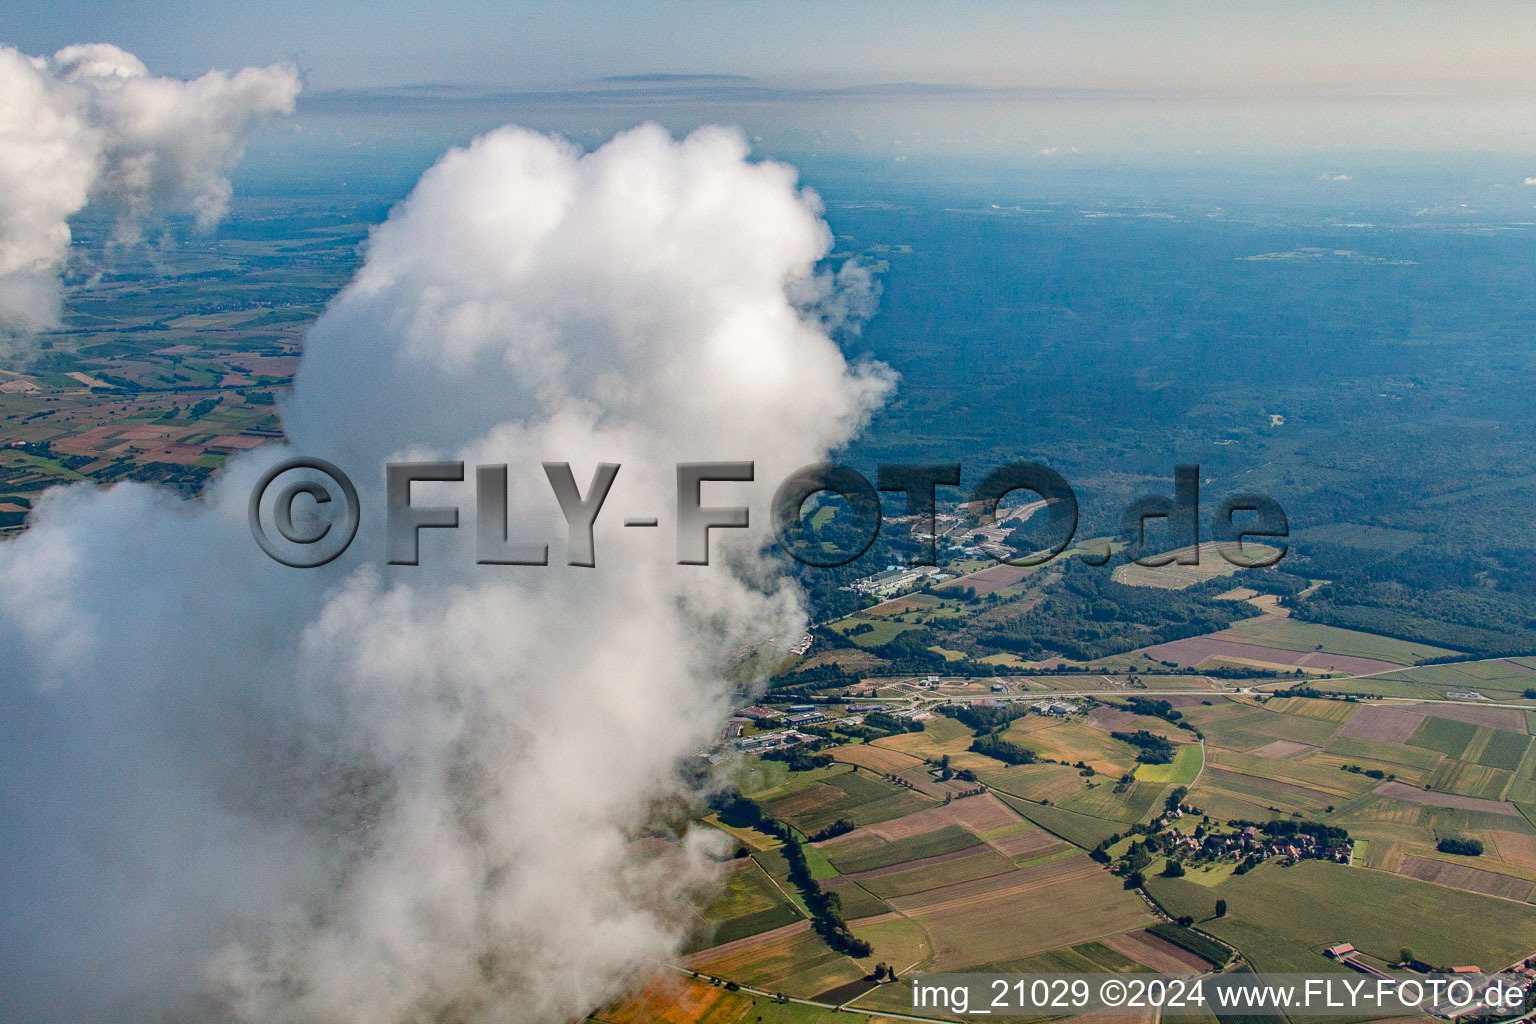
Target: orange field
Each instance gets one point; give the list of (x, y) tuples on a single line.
[(877, 759), (670, 998)]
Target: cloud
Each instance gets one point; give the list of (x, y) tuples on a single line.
[(368, 793), (1334, 177), (91, 125), (1530, 181)]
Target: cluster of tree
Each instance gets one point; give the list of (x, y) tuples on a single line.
[(1154, 708), (799, 758), (841, 826), (1461, 845), (1445, 605), (798, 684), (1281, 827), (1153, 749), (888, 722), (1007, 751), (1370, 773), (826, 907), (984, 719), (1088, 615)]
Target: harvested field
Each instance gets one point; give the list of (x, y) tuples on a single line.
[(1398, 791), (902, 605), (1176, 577), (1511, 719), (1281, 748), (1066, 901), (1460, 876), (1157, 953), (1112, 719), (1237, 594), (1071, 741), (976, 813), (1020, 844), (1336, 711), (1374, 722), (987, 580), (1190, 653), (1515, 848), (878, 759)]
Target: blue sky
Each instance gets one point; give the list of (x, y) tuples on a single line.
[(1473, 47), (1063, 80)]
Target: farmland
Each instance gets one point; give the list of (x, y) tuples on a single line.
[(950, 848), (1282, 918)]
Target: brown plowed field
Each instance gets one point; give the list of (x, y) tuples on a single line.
[(1460, 876), (1414, 795), (1373, 722)]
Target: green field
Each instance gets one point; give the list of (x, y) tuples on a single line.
[(1185, 767), (1281, 918), (1126, 807), (1088, 957), (881, 854), (748, 904), (1294, 635), (983, 862), (1244, 730), (1446, 735), (841, 792), (1078, 829), (1504, 750)]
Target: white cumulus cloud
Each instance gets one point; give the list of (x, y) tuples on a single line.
[(91, 124), (365, 793)]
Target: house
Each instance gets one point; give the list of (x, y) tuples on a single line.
[(758, 713), (1340, 951), (806, 718)]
